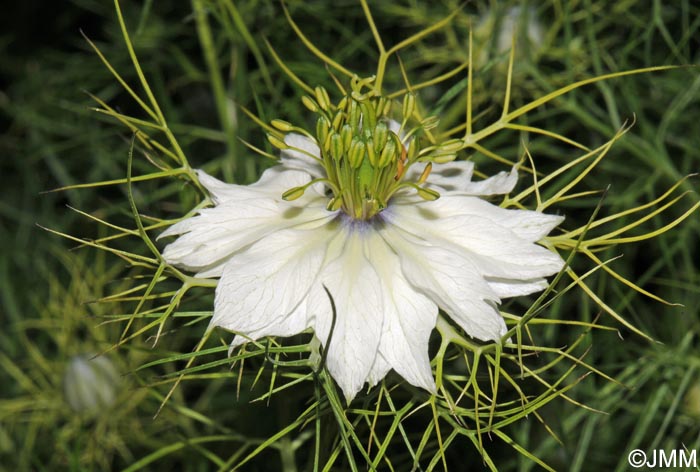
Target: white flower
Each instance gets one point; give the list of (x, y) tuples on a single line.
[(388, 273)]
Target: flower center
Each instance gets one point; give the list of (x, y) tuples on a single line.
[(367, 156)]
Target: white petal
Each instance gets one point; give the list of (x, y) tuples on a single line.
[(292, 324), (505, 288), (452, 176), (451, 280), (474, 226), (355, 288), (409, 318), (525, 224), (273, 182), (262, 285), (499, 184), (378, 371), (245, 214), (299, 156)]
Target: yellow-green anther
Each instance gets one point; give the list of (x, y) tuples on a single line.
[(452, 145), (354, 115), (336, 147), (322, 129), (412, 149), (282, 125), (277, 142), (409, 105), (388, 153), (443, 158), (381, 133), (369, 118), (327, 144), (379, 106), (309, 103), (343, 103), (346, 137), (426, 172), (430, 122), (322, 98), (338, 119), (294, 193), (386, 109), (427, 194), (371, 153), (335, 203), (357, 152)]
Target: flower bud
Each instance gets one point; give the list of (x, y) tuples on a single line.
[(90, 384)]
